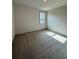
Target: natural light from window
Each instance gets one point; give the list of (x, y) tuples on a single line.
[(57, 37), (42, 17), (50, 33)]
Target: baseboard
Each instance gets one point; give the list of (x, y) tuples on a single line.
[(29, 32), (40, 30)]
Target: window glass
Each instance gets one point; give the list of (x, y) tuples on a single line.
[(42, 17)]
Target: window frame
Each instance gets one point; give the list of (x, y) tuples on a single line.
[(45, 16)]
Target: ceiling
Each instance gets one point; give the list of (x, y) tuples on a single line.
[(40, 4)]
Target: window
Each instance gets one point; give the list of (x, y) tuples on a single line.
[(42, 17)]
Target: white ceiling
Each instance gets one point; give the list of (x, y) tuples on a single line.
[(50, 4)]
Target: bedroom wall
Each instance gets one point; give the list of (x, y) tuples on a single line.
[(26, 19), (13, 25), (57, 20)]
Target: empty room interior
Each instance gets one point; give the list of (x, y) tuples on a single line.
[(39, 29)]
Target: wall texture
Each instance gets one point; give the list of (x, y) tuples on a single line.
[(57, 20), (13, 25), (26, 19)]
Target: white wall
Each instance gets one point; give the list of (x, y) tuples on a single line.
[(13, 25), (57, 20), (26, 19)]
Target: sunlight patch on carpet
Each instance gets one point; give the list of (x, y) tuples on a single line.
[(57, 37)]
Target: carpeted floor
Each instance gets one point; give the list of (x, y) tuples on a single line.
[(38, 45)]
